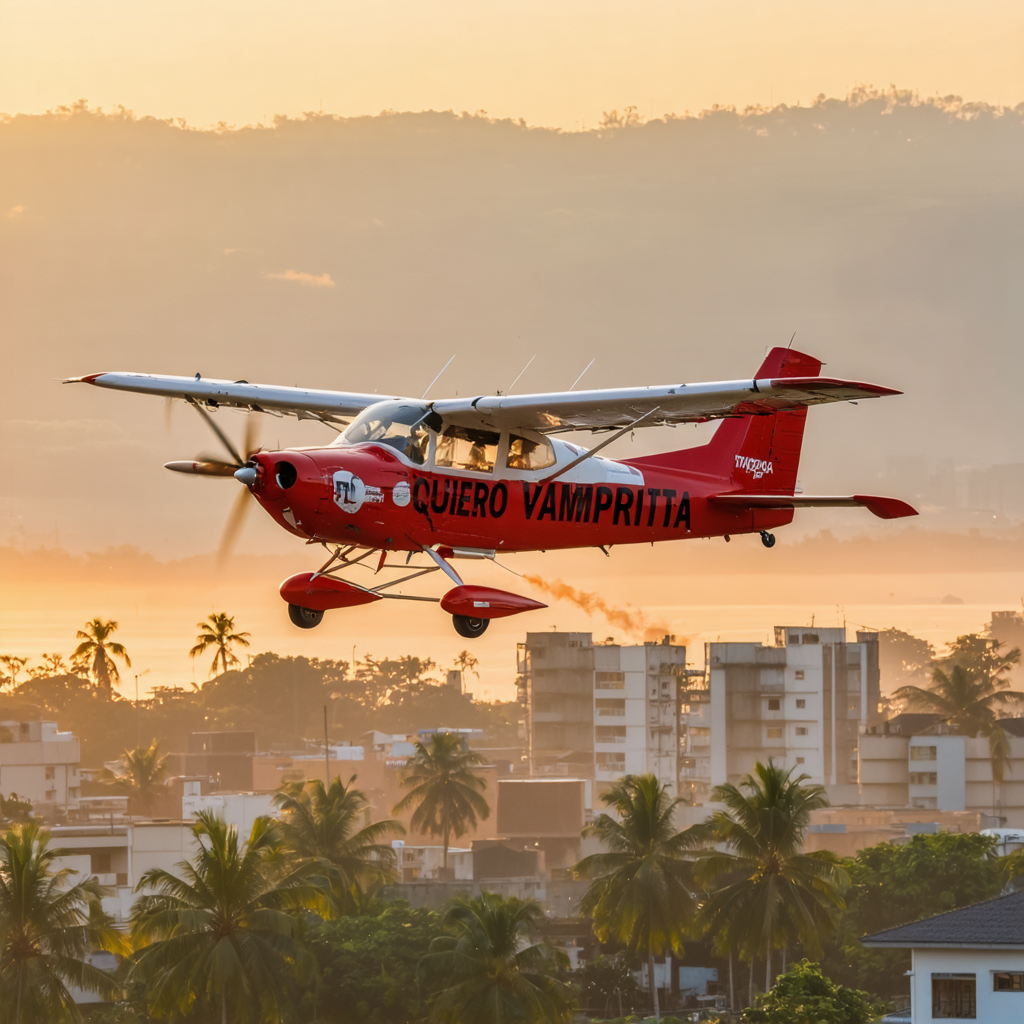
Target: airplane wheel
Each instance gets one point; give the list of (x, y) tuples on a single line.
[(470, 628), (304, 618), (767, 539)]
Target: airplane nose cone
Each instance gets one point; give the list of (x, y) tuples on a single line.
[(246, 475)]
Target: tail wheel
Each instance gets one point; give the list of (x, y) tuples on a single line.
[(304, 618), (470, 628), (767, 539)]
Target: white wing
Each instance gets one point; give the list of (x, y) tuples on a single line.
[(330, 406), (676, 403)]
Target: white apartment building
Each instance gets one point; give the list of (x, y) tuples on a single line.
[(936, 771), (40, 764), (802, 702), (600, 711)]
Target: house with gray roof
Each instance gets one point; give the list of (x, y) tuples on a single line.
[(968, 964)]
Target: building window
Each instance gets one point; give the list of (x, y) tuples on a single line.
[(801, 703), (799, 674), (774, 704), (610, 708), (775, 734), (609, 680), (610, 734), (801, 730), (51, 773), (1008, 981), (610, 761), (954, 996), (923, 753), (924, 778), (799, 760)]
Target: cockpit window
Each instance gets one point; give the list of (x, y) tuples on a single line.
[(529, 453), (399, 425), (465, 448)]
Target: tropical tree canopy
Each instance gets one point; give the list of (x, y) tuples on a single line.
[(324, 824), (496, 972), (803, 995), (641, 895), (445, 790), (764, 891), (224, 933), (967, 698), (98, 651), (141, 774), (47, 928), (218, 631)]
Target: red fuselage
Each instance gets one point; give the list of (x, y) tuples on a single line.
[(368, 496)]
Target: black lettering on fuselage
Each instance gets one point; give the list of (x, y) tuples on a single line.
[(603, 502), (668, 495), (420, 494), (683, 512), (548, 507), (499, 490), (653, 492), (530, 503), (442, 504), (480, 500), (623, 503), (575, 503), (465, 488)]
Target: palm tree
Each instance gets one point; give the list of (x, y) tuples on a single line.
[(221, 931), (13, 665), (217, 630), (641, 894), (51, 667), (97, 647), (324, 824), (966, 697), (494, 973), (765, 892), (446, 792), (141, 775), (47, 928)]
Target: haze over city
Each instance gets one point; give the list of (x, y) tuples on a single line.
[(229, 199)]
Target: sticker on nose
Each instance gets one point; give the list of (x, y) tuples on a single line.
[(401, 494), (349, 491)]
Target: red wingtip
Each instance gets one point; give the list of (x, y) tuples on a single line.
[(89, 378), (885, 508)]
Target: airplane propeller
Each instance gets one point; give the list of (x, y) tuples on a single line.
[(213, 465)]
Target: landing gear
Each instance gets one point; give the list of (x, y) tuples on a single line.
[(469, 627), (767, 539), (304, 618)]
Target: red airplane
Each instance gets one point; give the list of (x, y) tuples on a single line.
[(479, 477)]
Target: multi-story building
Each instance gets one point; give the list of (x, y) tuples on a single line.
[(40, 764), (803, 703), (931, 769), (600, 711)]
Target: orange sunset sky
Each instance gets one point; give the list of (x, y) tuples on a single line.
[(343, 195)]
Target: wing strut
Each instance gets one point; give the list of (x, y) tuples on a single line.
[(604, 444)]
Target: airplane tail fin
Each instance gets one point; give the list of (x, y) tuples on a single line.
[(758, 453)]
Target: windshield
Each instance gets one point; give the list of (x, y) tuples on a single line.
[(397, 424)]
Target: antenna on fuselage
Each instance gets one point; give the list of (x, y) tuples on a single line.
[(508, 391), (585, 368), (790, 345), (437, 378)]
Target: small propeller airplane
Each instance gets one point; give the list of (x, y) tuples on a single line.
[(474, 478)]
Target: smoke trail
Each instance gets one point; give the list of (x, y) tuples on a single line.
[(633, 622)]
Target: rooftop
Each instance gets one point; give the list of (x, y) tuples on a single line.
[(998, 922)]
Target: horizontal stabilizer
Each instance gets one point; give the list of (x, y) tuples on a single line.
[(884, 508)]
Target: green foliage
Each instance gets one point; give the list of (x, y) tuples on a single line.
[(369, 966), (894, 885), (494, 973), (47, 927), (140, 774), (218, 631), (223, 930), (444, 788), (14, 811), (765, 892), (642, 890), (330, 826), (902, 657), (607, 983), (803, 995), (280, 699), (98, 651)]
